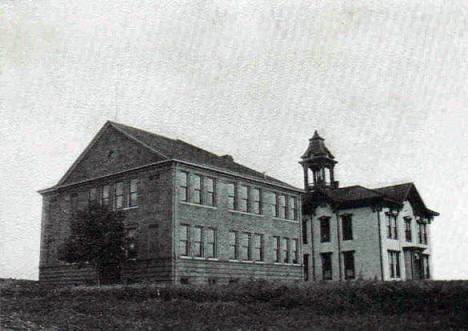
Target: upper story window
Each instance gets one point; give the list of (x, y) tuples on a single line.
[(422, 233), (133, 193), (408, 233), (92, 196), (74, 202), (392, 231), (210, 191), (292, 208), (243, 198), (282, 206), (304, 231), (347, 227), (231, 191), (348, 261), (324, 229), (196, 189), (256, 201), (326, 266), (274, 205), (106, 195), (182, 178), (119, 195)]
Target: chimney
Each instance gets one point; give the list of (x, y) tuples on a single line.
[(227, 157)]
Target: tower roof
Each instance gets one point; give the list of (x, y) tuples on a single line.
[(317, 149)]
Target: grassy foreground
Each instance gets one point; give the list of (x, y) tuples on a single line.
[(256, 305)]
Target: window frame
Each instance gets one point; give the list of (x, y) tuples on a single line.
[(196, 190), (244, 198), (231, 196), (325, 231), (210, 249), (245, 246), (326, 259), (257, 201), (277, 248), (133, 193), (349, 261), (408, 229), (283, 203), (106, 195), (183, 189), (92, 199), (258, 247), (131, 240), (186, 241), (119, 196), (294, 251), (347, 227), (394, 264), (210, 199), (198, 245), (286, 250), (234, 246)]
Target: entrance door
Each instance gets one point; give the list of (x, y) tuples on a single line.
[(417, 266)]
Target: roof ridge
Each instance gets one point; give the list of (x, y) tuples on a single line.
[(145, 131)]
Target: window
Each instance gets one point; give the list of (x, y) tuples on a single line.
[(391, 220), (347, 225), (422, 233), (198, 241), (210, 191), (243, 198), (245, 246), (274, 205), (196, 189), (74, 202), (277, 249), (326, 266), (286, 250), (133, 193), (234, 245), (231, 196), (258, 247), (408, 234), (306, 267), (324, 229), (394, 264), (182, 178), (184, 281), (304, 231), (293, 208), (257, 201), (348, 259), (282, 206), (92, 196), (119, 195), (426, 270), (106, 195), (210, 243), (184, 240), (131, 244), (294, 253)]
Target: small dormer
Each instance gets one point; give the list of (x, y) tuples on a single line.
[(319, 162)]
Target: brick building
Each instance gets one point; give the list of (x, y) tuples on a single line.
[(196, 217), (356, 232), (193, 216)]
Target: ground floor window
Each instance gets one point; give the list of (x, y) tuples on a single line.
[(394, 264), (326, 266), (426, 270), (348, 259)]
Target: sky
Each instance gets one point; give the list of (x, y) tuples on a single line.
[(384, 82)]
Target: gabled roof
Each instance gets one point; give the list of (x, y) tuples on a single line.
[(406, 191), (353, 196), (178, 150)]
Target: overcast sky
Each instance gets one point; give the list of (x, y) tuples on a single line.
[(384, 82)]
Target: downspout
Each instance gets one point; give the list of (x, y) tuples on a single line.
[(379, 230), (338, 239)]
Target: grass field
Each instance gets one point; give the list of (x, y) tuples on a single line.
[(256, 305)]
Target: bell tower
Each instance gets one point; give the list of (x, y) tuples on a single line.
[(319, 163)]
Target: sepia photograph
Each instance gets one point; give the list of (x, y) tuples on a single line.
[(233, 165)]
